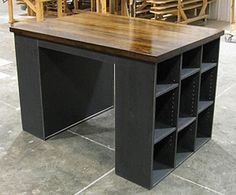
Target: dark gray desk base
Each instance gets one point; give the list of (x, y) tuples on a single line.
[(61, 86), (164, 110)]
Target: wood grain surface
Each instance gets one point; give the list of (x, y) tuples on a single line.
[(139, 39)]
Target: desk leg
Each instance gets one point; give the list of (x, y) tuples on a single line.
[(134, 111), (28, 69), (57, 89)]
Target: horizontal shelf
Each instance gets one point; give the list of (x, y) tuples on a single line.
[(187, 72), (164, 88), (160, 134), (160, 173), (181, 157), (200, 141), (207, 66), (202, 105), (184, 122)]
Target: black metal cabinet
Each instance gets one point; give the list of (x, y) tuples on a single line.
[(164, 112)]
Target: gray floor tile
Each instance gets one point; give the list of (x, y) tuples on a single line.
[(9, 91), (62, 165), (212, 166), (9, 69), (227, 99), (171, 185), (4, 62), (100, 129)]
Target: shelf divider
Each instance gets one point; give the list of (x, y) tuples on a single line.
[(187, 72), (207, 66), (203, 105), (184, 122), (161, 133), (164, 88)]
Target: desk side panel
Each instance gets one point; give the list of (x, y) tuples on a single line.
[(134, 111), (28, 68), (75, 85)]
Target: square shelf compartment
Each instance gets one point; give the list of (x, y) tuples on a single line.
[(168, 71), (204, 127), (185, 143), (168, 75), (208, 85), (188, 101), (191, 62), (211, 52), (166, 115), (210, 55), (163, 158)]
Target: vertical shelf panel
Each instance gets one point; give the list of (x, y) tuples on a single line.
[(188, 108), (134, 110), (166, 114), (208, 85), (188, 101), (207, 92)]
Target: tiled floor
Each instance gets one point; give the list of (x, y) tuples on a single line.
[(81, 160)]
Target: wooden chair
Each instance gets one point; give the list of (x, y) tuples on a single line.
[(34, 7), (186, 11), (119, 7)]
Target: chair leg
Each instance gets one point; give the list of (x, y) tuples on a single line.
[(59, 8), (39, 10), (10, 12)]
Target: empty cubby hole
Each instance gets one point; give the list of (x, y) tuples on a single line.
[(168, 71), (163, 157), (192, 58), (185, 142), (166, 110), (204, 127), (211, 51), (189, 96), (208, 85)]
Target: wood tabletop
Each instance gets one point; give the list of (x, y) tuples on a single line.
[(139, 39)]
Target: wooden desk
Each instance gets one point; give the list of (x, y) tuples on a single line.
[(165, 79)]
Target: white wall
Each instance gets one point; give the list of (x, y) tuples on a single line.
[(220, 10)]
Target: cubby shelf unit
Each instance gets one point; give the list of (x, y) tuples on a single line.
[(185, 96), (172, 116)]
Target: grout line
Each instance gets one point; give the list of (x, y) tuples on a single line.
[(209, 189), (85, 188), (9, 105), (92, 140), (227, 89)]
